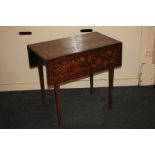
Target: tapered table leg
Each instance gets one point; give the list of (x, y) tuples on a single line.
[(41, 79), (111, 78), (91, 83), (58, 102)]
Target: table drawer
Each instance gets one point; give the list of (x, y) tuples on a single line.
[(72, 67)]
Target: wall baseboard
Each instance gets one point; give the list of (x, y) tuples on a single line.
[(76, 84)]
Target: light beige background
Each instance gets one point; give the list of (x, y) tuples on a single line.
[(137, 67)]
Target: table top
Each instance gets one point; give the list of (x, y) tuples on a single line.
[(66, 46)]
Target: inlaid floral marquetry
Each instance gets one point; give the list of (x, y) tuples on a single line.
[(74, 66)]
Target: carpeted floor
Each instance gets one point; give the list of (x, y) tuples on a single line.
[(132, 108)]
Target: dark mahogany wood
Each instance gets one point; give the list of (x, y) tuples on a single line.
[(91, 83), (111, 77), (58, 102), (41, 79), (75, 57), (56, 49)]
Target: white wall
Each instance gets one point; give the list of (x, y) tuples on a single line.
[(15, 73), (147, 68)]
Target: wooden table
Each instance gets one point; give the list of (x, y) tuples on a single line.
[(71, 58)]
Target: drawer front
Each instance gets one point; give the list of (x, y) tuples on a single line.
[(73, 67)]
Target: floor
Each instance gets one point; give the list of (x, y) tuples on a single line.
[(132, 108)]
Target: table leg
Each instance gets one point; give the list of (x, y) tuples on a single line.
[(111, 78), (91, 83), (58, 102), (41, 79)]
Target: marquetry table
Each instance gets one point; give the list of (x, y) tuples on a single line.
[(71, 58)]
